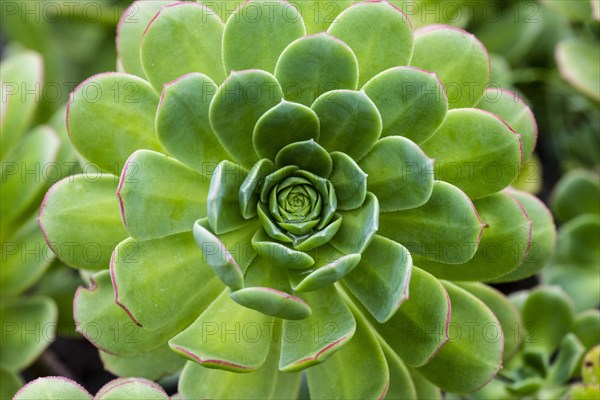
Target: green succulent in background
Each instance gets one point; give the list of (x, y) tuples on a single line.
[(589, 388), (59, 388), (550, 358), (32, 157), (575, 265), (267, 197)]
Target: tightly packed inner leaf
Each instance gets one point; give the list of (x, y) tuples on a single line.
[(310, 171)]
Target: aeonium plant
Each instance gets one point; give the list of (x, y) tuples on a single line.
[(269, 193)]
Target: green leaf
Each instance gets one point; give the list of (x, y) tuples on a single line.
[(279, 254), (265, 383), (236, 108), (130, 30), (473, 354), (182, 38), (349, 181), (248, 194), (358, 227), (329, 267), (282, 125), (108, 327), (160, 196), (53, 387), (380, 281), (28, 327), (23, 176), (111, 115), (577, 61), (447, 228), (313, 65), (350, 122), (475, 151), (153, 279), (131, 388), (505, 242), (154, 365), (591, 366), (385, 44), (401, 383), (321, 237), (418, 330), (512, 109), (224, 337), (10, 383), (223, 203), (504, 310), (567, 360), (459, 59), (366, 374), (547, 316), (543, 237), (412, 102), (424, 388), (257, 32), (80, 238), (183, 126), (577, 184), (318, 15), (408, 181), (24, 71), (308, 156), (313, 340), (587, 327)]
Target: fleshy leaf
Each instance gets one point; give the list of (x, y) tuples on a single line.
[(210, 342), (543, 237), (182, 38), (408, 181), (547, 316), (331, 323), (505, 242), (401, 383), (513, 110), (79, 238), (349, 181), (265, 383), (21, 72), (279, 254), (53, 387), (412, 102), (111, 115), (350, 122), (160, 196), (578, 64), (155, 364), (470, 359), (321, 237), (475, 151), (223, 198), (504, 310), (153, 279), (458, 58), (380, 281), (587, 327), (313, 65), (131, 388), (567, 360), (457, 232), (424, 388), (366, 374), (319, 15), (28, 327), (130, 30), (96, 313), (238, 105), (378, 46), (577, 184), (308, 156), (419, 329), (183, 126), (358, 227), (257, 32), (248, 194), (10, 383), (330, 266), (282, 125)]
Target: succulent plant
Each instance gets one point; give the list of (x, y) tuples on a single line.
[(265, 194), (550, 359), (60, 388), (32, 158)]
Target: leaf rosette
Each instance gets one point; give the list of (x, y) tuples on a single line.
[(276, 181)]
